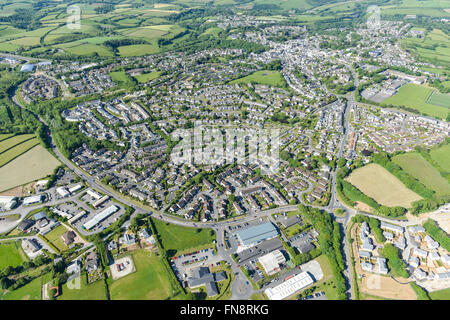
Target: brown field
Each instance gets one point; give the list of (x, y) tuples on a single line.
[(379, 184), (32, 165)]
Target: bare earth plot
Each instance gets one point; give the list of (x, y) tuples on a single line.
[(379, 184), (32, 165)]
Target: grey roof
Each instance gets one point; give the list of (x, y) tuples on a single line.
[(257, 233), (211, 288), (202, 276), (40, 215), (24, 225)]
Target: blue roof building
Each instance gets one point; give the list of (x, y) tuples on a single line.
[(27, 67), (254, 235)]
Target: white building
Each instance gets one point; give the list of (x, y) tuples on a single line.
[(272, 261), (289, 287), (33, 199)]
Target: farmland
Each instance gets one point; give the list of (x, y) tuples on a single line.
[(13, 141), (379, 184), (149, 282), (10, 255), (30, 166), (176, 238), (415, 97), (17, 150), (418, 167)]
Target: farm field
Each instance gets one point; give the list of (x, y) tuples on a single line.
[(442, 156), (419, 168), (6, 143), (272, 78), (433, 47), (138, 50), (149, 282), (176, 238), (379, 184), (415, 97), (30, 166), (439, 99), (120, 77), (17, 150), (93, 291), (10, 255)]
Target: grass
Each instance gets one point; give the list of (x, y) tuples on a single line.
[(149, 282), (30, 166), (93, 291), (415, 97), (419, 168), (270, 78), (17, 150), (12, 141), (442, 156), (120, 77), (10, 255), (54, 237), (176, 238), (31, 291), (379, 184), (146, 77), (292, 230), (439, 99), (443, 294), (138, 50)]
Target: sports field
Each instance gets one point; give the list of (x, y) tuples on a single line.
[(270, 78), (149, 282), (146, 77), (379, 184), (9, 255), (176, 238), (442, 157), (439, 99), (419, 168), (93, 291), (416, 97), (30, 166)]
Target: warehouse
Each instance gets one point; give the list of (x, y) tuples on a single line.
[(254, 235), (289, 287), (100, 217), (272, 262), (32, 200)]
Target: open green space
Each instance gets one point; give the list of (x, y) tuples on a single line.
[(415, 97), (149, 282), (439, 99), (10, 255), (176, 238), (55, 235), (17, 150), (442, 156), (419, 168), (93, 291), (266, 77), (146, 77), (30, 291), (443, 294), (13, 141)]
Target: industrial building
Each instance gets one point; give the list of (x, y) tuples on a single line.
[(254, 235), (100, 217), (272, 261), (289, 287)]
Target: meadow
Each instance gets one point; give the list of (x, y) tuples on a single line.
[(149, 282), (419, 168), (442, 156), (176, 238), (30, 166), (10, 255), (379, 184), (415, 97), (146, 77), (270, 78)]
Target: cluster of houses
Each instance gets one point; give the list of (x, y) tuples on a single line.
[(39, 88)]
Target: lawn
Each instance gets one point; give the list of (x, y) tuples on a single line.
[(415, 97), (9, 255), (270, 78), (292, 230), (54, 237), (31, 291), (146, 77), (439, 99), (442, 157), (149, 282), (17, 150), (30, 166), (419, 168), (379, 184), (93, 291), (443, 294), (176, 238)]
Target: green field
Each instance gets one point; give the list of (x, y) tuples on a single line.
[(146, 77), (93, 291), (31, 291), (442, 156), (13, 141), (9, 255), (415, 97), (54, 237), (419, 168), (443, 294), (149, 282), (439, 99), (270, 78), (138, 50), (176, 238)]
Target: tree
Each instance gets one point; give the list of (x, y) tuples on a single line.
[(341, 162)]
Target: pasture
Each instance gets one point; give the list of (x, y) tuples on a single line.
[(419, 168), (176, 238), (149, 282), (379, 184), (10, 255), (30, 166), (415, 97), (92, 291), (270, 78), (138, 50), (17, 150), (439, 99), (30, 291), (442, 156)]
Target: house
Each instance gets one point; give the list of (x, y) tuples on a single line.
[(431, 244), (91, 263), (420, 253), (382, 267), (25, 225), (203, 276), (414, 262), (68, 237), (419, 274)]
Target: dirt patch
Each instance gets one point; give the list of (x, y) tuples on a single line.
[(363, 207), (122, 267)]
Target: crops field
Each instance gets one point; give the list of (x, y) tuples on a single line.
[(30, 166), (379, 184), (16, 150), (415, 97), (149, 282), (419, 168), (12, 141), (442, 157)]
